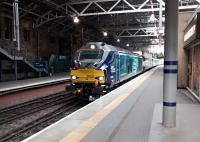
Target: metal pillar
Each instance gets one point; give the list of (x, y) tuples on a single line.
[(17, 24), (170, 63), (37, 43), (160, 23), (14, 23), (16, 71), (82, 30), (16, 32), (0, 71)]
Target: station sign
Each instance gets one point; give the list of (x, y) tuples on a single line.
[(39, 64), (192, 31)]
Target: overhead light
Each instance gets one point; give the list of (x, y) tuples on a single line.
[(76, 20), (163, 19), (157, 40), (152, 18), (92, 46), (105, 34), (118, 40), (155, 33), (127, 45)]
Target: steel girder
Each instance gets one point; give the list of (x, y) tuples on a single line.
[(28, 9), (41, 19), (49, 16), (139, 32), (101, 8)]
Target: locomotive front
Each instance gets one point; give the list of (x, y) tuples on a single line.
[(87, 80)]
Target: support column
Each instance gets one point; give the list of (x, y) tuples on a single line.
[(82, 31), (14, 23), (16, 70), (37, 32), (1, 27), (170, 63), (0, 71), (16, 16), (160, 24), (16, 32)]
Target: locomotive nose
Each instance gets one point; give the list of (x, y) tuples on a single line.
[(87, 76)]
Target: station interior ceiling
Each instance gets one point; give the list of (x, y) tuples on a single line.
[(132, 21)]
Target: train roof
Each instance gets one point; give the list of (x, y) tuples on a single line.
[(107, 47), (100, 45)]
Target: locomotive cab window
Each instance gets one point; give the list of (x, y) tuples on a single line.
[(89, 55)]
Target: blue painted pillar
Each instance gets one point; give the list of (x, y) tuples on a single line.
[(170, 63)]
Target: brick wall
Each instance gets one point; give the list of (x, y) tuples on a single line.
[(41, 42), (35, 42), (182, 54), (196, 70)]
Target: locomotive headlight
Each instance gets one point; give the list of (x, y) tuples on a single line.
[(74, 77), (101, 78)]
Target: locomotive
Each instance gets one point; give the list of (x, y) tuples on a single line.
[(99, 66)]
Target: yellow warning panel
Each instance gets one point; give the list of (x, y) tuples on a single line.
[(87, 76)]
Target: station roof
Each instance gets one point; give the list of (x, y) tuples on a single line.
[(133, 21)]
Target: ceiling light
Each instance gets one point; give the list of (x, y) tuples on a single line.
[(163, 19), (105, 34), (155, 33), (127, 45), (152, 18), (118, 40), (76, 20), (92, 46), (157, 40)]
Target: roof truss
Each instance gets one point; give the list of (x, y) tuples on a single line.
[(138, 32), (102, 7)]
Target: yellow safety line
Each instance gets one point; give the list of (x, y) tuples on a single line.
[(79, 133)]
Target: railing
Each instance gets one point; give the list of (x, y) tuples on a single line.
[(13, 53), (193, 94)]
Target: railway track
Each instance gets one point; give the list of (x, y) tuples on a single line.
[(32, 107), (32, 102), (63, 102)]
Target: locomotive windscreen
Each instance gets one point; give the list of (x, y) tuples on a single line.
[(88, 55)]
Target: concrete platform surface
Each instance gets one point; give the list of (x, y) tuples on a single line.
[(187, 125), (12, 85), (131, 121)]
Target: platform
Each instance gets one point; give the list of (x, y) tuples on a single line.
[(31, 83), (187, 126), (125, 114)]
